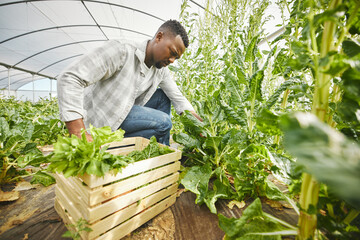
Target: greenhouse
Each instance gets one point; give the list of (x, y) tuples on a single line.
[(183, 119)]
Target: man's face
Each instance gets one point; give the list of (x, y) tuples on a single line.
[(168, 48)]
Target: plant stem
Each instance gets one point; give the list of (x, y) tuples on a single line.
[(351, 216), (4, 170), (309, 196), (310, 188), (283, 105)]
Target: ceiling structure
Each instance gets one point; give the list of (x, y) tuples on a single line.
[(39, 38)]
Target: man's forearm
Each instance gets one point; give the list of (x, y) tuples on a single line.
[(197, 116), (75, 126)]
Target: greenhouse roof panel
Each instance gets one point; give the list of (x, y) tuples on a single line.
[(43, 37)]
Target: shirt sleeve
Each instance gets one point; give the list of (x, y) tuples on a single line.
[(99, 64), (172, 91)]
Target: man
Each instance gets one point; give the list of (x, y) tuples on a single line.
[(117, 84)]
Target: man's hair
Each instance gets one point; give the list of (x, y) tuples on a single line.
[(176, 28)]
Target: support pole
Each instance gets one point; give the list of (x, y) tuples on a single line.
[(51, 87), (9, 83), (33, 88)]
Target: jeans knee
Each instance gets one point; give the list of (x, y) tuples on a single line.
[(167, 124)]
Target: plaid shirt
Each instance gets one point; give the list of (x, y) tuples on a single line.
[(102, 86)]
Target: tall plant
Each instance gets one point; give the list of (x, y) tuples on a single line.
[(320, 49)]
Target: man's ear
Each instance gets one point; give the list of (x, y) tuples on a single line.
[(159, 36)]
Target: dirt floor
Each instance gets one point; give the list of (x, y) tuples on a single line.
[(33, 216)]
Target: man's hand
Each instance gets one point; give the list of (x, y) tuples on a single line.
[(75, 126), (197, 116)]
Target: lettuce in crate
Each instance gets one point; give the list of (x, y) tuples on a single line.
[(76, 156)]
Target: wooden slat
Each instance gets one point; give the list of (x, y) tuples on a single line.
[(138, 144), (124, 214), (104, 193), (118, 217), (120, 202), (73, 196), (83, 190), (132, 169), (127, 227), (121, 151), (68, 220), (67, 204), (124, 142)]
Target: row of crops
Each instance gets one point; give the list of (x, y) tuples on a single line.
[(291, 112), (25, 127)]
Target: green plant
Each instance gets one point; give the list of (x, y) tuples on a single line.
[(80, 226), (18, 152)]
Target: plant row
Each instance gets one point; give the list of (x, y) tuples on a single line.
[(291, 112)]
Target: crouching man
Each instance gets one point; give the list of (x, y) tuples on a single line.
[(126, 85)]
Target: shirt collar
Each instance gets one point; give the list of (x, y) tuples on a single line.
[(140, 53)]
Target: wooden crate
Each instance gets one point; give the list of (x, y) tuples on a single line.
[(115, 205)]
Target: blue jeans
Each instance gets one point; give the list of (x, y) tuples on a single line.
[(153, 119)]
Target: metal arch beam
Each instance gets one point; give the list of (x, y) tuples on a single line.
[(17, 74), (95, 1), (69, 26), (59, 46), (26, 70), (23, 79), (61, 60), (38, 72), (97, 24)]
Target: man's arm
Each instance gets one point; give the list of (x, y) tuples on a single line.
[(99, 64), (197, 116), (172, 91), (75, 126)]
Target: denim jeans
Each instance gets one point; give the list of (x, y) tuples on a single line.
[(153, 119)]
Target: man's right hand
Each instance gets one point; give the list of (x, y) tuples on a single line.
[(75, 126)]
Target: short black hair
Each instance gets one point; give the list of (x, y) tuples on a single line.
[(177, 29)]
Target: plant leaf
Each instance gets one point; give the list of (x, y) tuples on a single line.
[(251, 225), (43, 178), (326, 154)]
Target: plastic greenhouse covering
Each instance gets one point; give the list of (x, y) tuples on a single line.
[(39, 38)]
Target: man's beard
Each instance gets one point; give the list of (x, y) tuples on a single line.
[(158, 65)]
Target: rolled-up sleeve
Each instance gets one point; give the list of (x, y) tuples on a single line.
[(99, 64), (172, 91)]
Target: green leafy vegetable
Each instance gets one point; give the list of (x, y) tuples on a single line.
[(153, 149), (76, 156), (255, 224)]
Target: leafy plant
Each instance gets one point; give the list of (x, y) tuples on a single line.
[(153, 149), (80, 226), (76, 156), (73, 156), (17, 152), (255, 224)]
